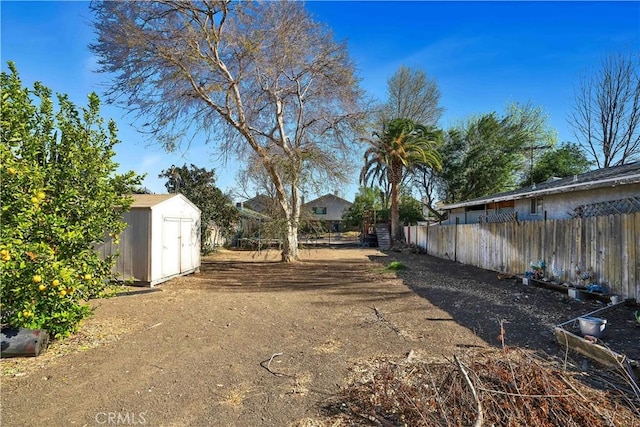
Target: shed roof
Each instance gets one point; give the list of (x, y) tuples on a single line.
[(599, 178), (148, 201)]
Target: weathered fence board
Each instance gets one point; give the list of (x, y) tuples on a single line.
[(608, 245)]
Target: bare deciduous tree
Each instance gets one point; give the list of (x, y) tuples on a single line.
[(606, 116), (425, 180), (257, 76), (411, 95)]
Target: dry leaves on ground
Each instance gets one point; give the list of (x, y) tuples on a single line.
[(502, 388)]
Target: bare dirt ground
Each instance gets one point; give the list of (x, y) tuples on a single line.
[(252, 342), (477, 299)]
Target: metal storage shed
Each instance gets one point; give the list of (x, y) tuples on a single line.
[(162, 239)]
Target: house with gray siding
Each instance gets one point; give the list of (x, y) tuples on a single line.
[(327, 209), (614, 190)]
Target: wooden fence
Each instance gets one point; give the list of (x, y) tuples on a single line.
[(607, 245)]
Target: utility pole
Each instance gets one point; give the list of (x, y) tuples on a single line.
[(531, 148)]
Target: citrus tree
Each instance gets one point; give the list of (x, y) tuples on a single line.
[(60, 196)]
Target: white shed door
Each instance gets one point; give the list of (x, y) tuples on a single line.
[(177, 245), (186, 244), (171, 246)]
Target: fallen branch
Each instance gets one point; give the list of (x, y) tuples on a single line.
[(533, 396), (587, 401), (381, 318), (268, 367), (463, 371), (479, 389), (629, 375)]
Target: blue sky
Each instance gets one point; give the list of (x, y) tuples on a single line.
[(483, 55)]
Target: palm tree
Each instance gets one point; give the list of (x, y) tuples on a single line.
[(400, 147)]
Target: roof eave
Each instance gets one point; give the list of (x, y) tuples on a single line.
[(634, 179)]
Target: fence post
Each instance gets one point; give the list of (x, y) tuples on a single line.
[(426, 243), (455, 240)]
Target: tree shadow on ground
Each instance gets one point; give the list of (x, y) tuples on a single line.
[(500, 312), (335, 277)]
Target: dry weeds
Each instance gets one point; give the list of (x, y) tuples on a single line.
[(509, 387)]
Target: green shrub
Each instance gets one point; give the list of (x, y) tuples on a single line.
[(396, 266), (60, 196)]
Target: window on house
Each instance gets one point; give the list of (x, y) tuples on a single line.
[(319, 211), (536, 206)]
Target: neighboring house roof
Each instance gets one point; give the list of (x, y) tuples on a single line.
[(599, 178), (260, 203), (326, 197)]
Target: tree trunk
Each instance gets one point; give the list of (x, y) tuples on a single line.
[(290, 247), (434, 212), (396, 229)]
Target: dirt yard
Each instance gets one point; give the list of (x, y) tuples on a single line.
[(252, 342)]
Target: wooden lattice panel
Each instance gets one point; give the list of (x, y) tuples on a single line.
[(498, 217), (614, 207)]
